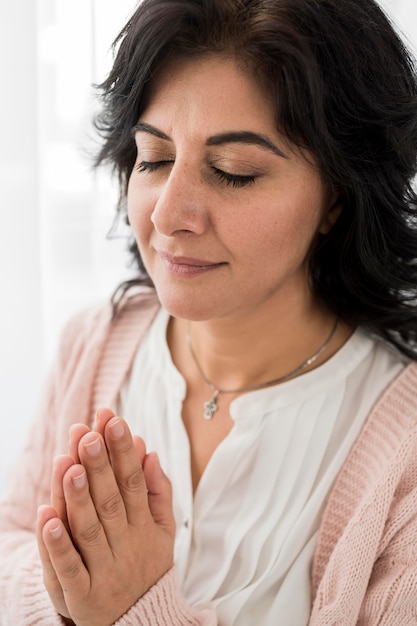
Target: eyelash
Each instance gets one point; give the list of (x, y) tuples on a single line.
[(150, 166), (232, 180)]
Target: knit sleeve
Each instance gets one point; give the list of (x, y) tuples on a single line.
[(366, 557), (391, 595), (68, 397), (23, 598), (163, 605)]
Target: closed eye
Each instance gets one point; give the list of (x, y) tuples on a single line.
[(151, 166), (234, 180)]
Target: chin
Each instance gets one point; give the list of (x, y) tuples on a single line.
[(188, 307), (187, 311)]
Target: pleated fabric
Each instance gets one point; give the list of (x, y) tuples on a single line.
[(246, 539)]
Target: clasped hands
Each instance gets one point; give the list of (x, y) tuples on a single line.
[(108, 534)]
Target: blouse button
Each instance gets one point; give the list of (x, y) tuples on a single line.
[(186, 522)]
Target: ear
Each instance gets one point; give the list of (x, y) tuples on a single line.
[(331, 216)]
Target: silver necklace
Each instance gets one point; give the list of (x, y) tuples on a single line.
[(210, 407)]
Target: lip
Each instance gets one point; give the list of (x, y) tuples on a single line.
[(186, 266)]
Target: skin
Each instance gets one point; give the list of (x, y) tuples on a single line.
[(225, 212), (248, 212), (108, 534)]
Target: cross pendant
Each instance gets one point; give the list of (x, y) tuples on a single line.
[(210, 407)]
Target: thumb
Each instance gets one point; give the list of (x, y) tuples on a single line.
[(159, 493)]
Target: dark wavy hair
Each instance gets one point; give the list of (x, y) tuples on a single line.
[(345, 88)]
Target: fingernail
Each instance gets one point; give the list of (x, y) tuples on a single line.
[(56, 531), (117, 428), (79, 481), (93, 447)]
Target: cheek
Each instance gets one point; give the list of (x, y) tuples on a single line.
[(283, 237), (290, 225), (139, 210)]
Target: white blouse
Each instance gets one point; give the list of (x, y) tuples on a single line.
[(245, 541)]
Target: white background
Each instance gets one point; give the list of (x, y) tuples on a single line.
[(55, 213)]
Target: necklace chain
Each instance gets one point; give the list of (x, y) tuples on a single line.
[(210, 407)]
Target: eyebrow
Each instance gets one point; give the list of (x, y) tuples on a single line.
[(142, 127), (246, 137)]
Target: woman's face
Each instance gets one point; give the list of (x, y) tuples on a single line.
[(224, 210)]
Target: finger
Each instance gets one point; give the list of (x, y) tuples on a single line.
[(127, 468), (51, 581), (104, 491), (103, 415), (45, 513), (60, 465), (65, 559), (86, 529), (140, 448), (75, 433), (159, 493)]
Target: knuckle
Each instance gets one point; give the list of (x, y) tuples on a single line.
[(91, 535), (72, 570), (97, 465), (134, 481), (81, 498), (124, 446), (111, 506)]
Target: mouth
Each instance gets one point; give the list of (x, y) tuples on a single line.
[(185, 265)]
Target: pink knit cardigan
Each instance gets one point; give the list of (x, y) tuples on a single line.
[(365, 566)]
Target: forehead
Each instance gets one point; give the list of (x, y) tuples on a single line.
[(207, 90)]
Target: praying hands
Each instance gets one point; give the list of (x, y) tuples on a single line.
[(108, 534)]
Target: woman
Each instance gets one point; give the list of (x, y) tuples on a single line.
[(265, 150)]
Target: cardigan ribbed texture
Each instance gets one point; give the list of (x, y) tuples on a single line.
[(365, 566)]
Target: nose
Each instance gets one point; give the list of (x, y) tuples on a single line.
[(181, 205)]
